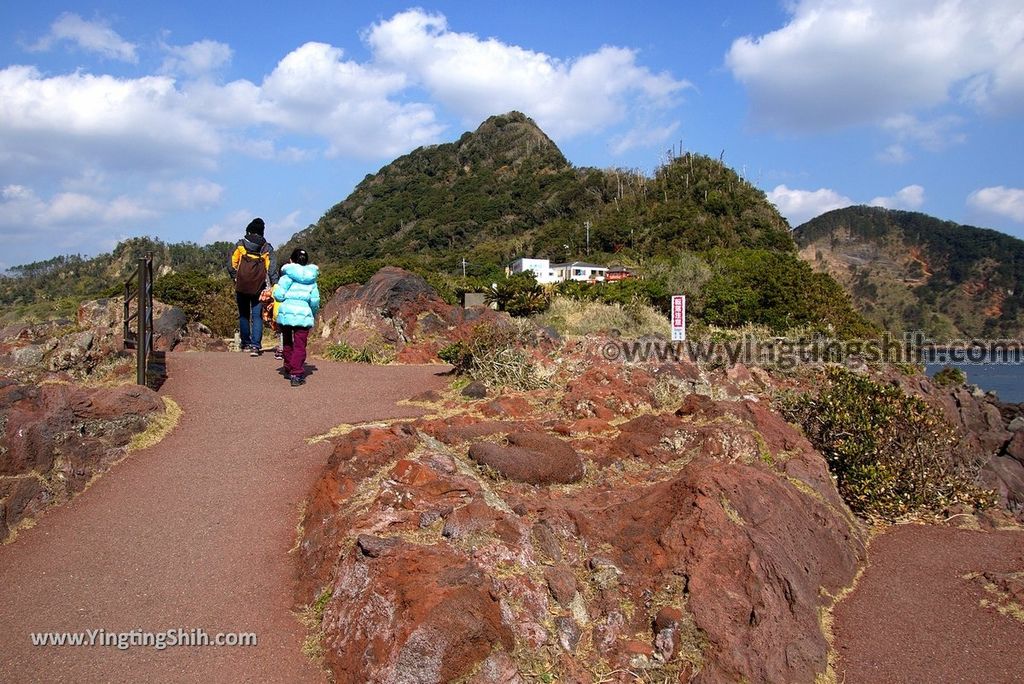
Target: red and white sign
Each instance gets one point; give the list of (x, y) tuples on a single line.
[(678, 318)]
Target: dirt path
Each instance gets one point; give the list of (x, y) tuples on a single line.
[(193, 533), (914, 617)]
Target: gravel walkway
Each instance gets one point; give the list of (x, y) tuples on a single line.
[(194, 532), (914, 617)]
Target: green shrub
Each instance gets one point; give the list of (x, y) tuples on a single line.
[(333, 277), (890, 453), (205, 298), (519, 295), (950, 376), (778, 290)]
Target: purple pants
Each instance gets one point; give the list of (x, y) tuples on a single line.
[(295, 349)]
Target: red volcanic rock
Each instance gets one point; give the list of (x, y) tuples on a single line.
[(547, 542), (56, 437), (361, 453), (754, 552), (561, 583), (1006, 477), (411, 613), (605, 390), (535, 458), (401, 310), (476, 518), (124, 400), (703, 546), (423, 352), (508, 407), (412, 473), (388, 306), (634, 647), (583, 426)]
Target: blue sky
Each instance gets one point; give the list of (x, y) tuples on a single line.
[(184, 120)]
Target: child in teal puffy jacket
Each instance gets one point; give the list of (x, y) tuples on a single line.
[(299, 298)]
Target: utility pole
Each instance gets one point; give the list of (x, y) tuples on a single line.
[(463, 267), (587, 225)]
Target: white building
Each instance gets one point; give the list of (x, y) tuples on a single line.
[(548, 273), (579, 270), (541, 268)]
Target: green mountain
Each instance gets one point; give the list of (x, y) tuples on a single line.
[(505, 190), (909, 271)]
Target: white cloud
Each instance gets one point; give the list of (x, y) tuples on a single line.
[(643, 136), (477, 77), (86, 120), (197, 59), (76, 123), (93, 36), (66, 221), (839, 63), (934, 135), (228, 229), (894, 154), (288, 224), (1000, 201), (232, 227), (910, 197), (799, 206), (186, 194), (314, 90)]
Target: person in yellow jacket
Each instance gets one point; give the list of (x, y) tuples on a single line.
[(253, 268)]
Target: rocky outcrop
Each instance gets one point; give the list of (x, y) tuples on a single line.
[(679, 538), (399, 311), (55, 438), (94, 342)]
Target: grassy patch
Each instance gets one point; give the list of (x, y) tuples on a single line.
[(159, 427), (573, 317), (312, 618)]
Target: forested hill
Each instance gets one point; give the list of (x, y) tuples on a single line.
[(910, 271), (506, 190), (502, 191), (55, 286)]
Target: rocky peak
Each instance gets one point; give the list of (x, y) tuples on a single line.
[(509, 140)]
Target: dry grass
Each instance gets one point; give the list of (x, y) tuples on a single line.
[(158, 428), (344, 429), (1001, 601), (826, 621), (571, 317), (312, 617), (23, 524)]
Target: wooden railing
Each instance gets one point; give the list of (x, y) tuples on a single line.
[(139, 337)]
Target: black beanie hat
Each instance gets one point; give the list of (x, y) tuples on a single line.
[(256, 226)]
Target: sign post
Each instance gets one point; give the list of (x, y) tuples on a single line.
[(678, 318)]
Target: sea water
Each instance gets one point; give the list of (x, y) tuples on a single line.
[(1006, 379)]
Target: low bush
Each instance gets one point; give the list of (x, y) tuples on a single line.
[(890, 453), (950, 376), (519, 295), (209, 299)]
